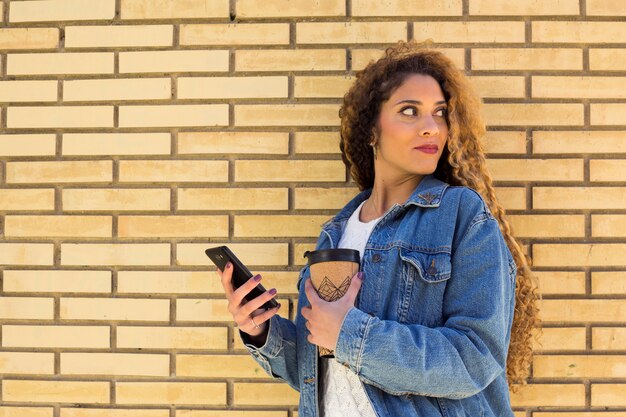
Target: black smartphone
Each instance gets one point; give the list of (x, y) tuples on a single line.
[(220, 255)]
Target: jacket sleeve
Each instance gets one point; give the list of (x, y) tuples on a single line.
[(278, 355), (458, 359)]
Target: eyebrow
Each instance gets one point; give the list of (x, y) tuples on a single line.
[(418, 102)]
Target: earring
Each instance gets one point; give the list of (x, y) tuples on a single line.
[(374, 150)]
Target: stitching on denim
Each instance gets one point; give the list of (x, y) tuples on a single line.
[(359, 357)]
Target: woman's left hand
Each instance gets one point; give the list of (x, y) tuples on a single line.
[(324, 318)]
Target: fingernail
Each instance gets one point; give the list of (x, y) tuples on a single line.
[(360, 275), (257, 277), (273, 291), (278, 306), (228, 265)]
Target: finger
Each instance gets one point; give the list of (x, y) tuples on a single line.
[(310, 292), (240, 293), (226, 279), (257, 302), (355, 286), (306, 311), (266, 315)]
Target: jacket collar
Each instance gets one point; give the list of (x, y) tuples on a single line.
[(428, 193)]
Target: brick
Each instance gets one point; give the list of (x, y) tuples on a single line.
[(265, 394), (592, 142), (58, 226), (59, 117), (311, 198), (290, 60), (117, 89), (27, 91), (317, 142), (406, 8), (536, 169), (59, 171), (579, 366), (174, 115), (350, 32), (175, 393), (608, 338), (250, 254), (560, 338), (26, 411), (116, 144), (560, 282), (235, 34), (600, 310), (216, 366), (607, 59), (173, 9), (115, 254), (26, 253), (469, 32), (228, 413), (174, 61), (571, 198), (605, 8), (23, 308), (289, 8), (46, 10), (118, 36), (569, 395), (21, 199), (608, 395), (607, 113), (291, 225), (165, 282), (233, 199), (598, 254), (578, 87), (334, 86), (289, 170), (607, 169), (112, 412), (608, 225), (122, 199), (298, 250), (136, 309), (117, 364), (286, 114), (173, 226), (498, 142), (187, 338), (233, 142), (94, 337), (500, 59), (27, 145), (607, 282), (232, 87), (523, 8), (26, 363), (173, 171), (60, 63), (57, 281), (547, 225), (499, 87), (536, 114), (207, 311), (362, 56), (578, 32), (29, 38), (512, 198), (85, 392)]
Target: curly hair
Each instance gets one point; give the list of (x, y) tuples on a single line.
[(462, 163)]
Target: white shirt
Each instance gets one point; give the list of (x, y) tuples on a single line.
[(342, 392)]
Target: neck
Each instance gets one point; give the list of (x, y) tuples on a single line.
[(386, 193)]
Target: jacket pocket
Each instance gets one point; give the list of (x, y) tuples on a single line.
[(424, 278)]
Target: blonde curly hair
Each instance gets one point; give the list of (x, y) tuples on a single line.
[(462, 163)]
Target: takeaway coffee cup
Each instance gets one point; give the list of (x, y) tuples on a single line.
[(331, 273)]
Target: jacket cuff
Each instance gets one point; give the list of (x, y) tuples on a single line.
[(273, 343), (351, 340)]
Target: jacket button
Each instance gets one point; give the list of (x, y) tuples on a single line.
[(376, 258)]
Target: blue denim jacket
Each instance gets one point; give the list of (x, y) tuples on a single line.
[(430, 330)]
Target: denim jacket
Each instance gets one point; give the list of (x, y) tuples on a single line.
[(430, 330)]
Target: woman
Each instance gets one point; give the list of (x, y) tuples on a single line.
[(438, 322)]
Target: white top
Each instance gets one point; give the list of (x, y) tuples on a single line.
[(342, 392)]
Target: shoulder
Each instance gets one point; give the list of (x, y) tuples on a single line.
[(469, 202)]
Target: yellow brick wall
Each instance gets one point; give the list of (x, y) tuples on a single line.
[(136, 133)]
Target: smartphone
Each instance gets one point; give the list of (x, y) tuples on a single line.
[(220, 255)]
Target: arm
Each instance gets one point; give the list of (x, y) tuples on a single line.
[(463, 356)]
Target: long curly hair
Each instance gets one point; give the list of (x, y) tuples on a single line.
[(462, 163)]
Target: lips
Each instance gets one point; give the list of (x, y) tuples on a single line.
[(428, 148)]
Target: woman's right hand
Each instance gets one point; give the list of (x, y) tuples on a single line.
[(248, 315)]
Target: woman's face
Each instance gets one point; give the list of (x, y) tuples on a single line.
[(413, 117)]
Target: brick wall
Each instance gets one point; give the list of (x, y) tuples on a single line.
[(137, 133)]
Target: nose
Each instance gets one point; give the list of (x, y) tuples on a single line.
[(429, 127)]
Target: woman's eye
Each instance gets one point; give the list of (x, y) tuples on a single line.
[(443, 111), (403, 111)]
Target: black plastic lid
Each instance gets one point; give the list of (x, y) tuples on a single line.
[(332, 255)]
